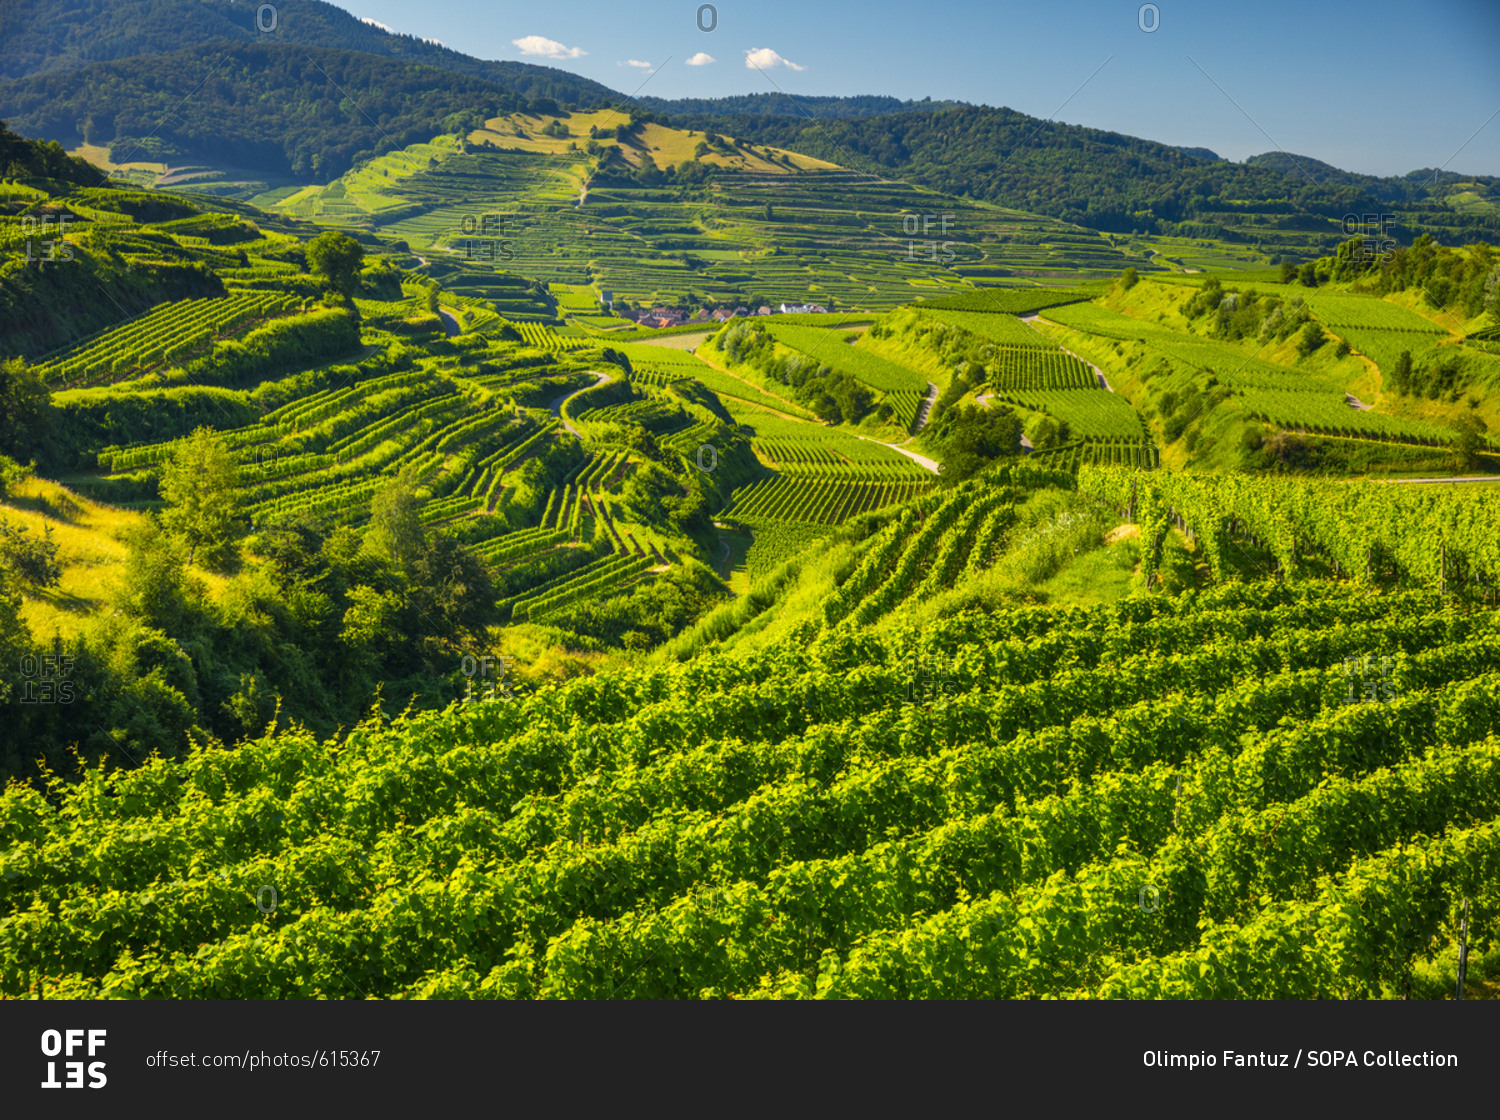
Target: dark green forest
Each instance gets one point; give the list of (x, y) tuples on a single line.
[(318, 111), (42, 36), (1108, 181)]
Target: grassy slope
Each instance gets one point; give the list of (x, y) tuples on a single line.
[(1159, 303), (91, 551), (667, 146)]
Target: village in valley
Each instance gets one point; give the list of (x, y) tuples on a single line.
[(662, 317)]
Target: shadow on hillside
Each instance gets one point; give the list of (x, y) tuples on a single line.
[(60, 507)]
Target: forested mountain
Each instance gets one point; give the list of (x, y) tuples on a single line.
[(328, 88), (43, 36), (1106, 180), (781, 105), (316, 110)]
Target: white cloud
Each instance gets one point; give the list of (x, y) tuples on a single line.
[(637, 63), (764, 58), (547, 48), (701, 59), (389, 30)]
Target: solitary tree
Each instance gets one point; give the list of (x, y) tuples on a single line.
[(25, 410), (153, 583), (33, 559), (201, 487), (1470, 440), (337, 257), (395, 528)]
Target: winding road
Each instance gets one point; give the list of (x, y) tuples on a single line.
[(556, 406)]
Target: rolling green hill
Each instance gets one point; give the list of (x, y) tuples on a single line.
[(383, 617), (1026, 802), (1117, 183)]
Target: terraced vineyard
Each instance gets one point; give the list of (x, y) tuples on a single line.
[(1072, 456), (1030, 368), (1030, 803), (819, 498), (168, 334), (1006, 330), (521, 657), (1293, 399), (830, 235), (826, 345)]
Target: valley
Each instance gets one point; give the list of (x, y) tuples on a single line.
[(1120, 529)]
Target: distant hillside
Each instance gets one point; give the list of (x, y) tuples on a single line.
[(1109, 181), (780, 105), (317, 111), (44, 36), (23, 159), (1409, 188)]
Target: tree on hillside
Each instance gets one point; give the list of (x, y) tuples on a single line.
[(153, 584), (337, 257), (11, 472), (1470, 440), (25, 411), (1288, 270), (1310, 339), (32, 559), (970, 437), (453, 588), (395, 528), (200, 485)]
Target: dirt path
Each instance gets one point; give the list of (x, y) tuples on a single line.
[(556, 406), (921, 460), (1435, 481), (450, 321), (1030, 321), (1354, 402), (925, 412)]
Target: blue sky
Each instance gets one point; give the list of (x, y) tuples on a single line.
[(1380, 87)]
